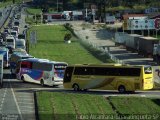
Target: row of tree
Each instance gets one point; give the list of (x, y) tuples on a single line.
[(118, 4)]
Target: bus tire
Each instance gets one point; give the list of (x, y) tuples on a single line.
[(1, 85), (121, 89), (11, 71), (42, 82), (76, 87), (22, 78), (85, 89)]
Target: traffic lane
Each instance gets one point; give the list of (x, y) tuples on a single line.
[(24, 100), (20, 86), (29, 87), (8, 104)]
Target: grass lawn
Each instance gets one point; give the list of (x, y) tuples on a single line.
[(3, 4), (34, 11), (136, 105), (68, 106), (50, 45)]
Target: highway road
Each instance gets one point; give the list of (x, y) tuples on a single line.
[(17, 98), (5, 13)]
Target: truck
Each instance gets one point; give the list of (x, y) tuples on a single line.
[(156, 53), (132, 42), (146, 45), (156, 76), (110, 19), (120, 38), (1, 71)]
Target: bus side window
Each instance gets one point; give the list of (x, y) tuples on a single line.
[(26, 65)]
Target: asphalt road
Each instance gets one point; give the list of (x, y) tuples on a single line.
[(17, 98)]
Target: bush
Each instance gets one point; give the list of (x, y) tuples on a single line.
[(67, 37)]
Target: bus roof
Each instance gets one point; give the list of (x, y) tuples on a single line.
[(106, 65), (3, 49), (42, 60)]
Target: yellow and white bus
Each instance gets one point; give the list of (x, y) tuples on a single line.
[(108, 77)]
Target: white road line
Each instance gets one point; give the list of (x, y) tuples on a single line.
[(24, 106), (143, 95), (3, 98), (21, 99), (16, 101), (25, 103), (27, 111), (24, 97)]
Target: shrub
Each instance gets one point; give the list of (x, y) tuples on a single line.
[(67, 36)]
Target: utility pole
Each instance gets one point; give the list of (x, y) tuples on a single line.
[(103, 13)]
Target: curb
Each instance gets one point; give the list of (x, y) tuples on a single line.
[(36, 106)]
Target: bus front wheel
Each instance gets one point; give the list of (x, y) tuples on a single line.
[(76, 87), (121, 89)]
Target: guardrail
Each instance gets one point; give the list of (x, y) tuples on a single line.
[(102, 49)]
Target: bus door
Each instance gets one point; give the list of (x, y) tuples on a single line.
[(68, 77)]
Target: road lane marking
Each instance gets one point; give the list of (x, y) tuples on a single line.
[(29, 111), (143, 95), (24, 106), (20, 114), (3, 98), (21, 100), (25, 103)]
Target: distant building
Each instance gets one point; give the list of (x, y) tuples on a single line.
[(52, 16), (151, 10), (133, 16), (154, 15)]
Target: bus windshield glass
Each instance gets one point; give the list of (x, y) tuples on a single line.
[(148, 70)]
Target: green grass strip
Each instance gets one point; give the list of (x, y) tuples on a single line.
[(50, 45)]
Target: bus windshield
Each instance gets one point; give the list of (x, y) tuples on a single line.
[(60, 66), (59, 69), (10, 40), (148, 70)]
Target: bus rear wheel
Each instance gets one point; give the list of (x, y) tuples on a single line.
[(1, 85), (76, 87), (42, 83), (22, 78), (121, 89)]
